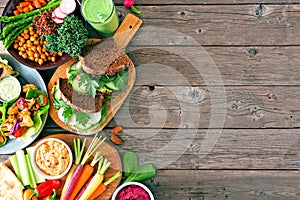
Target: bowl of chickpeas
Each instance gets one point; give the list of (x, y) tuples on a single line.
[(29, 48)]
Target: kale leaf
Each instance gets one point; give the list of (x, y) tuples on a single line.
[(70, 38)]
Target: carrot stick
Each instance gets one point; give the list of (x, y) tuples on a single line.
[(83, 189), (87, 171), (96, 142), (78, 154), (103, 186), (97, 179), (68, 180)]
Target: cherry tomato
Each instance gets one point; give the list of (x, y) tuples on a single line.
[(22, 103), (19, 132)]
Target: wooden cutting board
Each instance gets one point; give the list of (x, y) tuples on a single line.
[(106, 149), (122, 37)]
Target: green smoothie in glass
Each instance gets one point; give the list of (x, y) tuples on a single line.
[(101, 14)]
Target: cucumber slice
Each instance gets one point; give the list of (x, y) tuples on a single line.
[(76, 87), (56, 94), (111, 85)]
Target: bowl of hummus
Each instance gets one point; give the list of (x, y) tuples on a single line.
[(132, 190), (52, 158)]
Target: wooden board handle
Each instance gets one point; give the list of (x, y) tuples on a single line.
[(127, 30)]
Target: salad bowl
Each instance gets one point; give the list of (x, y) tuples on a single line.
[(27, 75)]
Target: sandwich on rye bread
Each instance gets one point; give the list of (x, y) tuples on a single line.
[(81, 97)]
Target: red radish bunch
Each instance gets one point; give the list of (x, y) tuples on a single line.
[(66, 7)]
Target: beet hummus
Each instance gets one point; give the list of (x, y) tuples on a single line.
[(133, 192)]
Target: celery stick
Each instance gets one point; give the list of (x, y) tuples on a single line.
[(23, 165), (30, 168), (14, 162), (38, 178)]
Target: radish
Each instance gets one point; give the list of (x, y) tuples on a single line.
[(58, 20), (67, 6), (77, 65), (58, 14)]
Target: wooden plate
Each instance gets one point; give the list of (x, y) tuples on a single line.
[(106, 150), (113, 104)]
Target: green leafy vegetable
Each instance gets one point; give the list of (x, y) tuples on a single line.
[(70, 38), (135, 172), (90, 83), (67, 113), (121, 80), (33, 93), (130, 162), (3, 138), (82, 118)]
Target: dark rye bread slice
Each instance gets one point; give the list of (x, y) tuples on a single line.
[(118, 65), (101, 56), (81, 102)]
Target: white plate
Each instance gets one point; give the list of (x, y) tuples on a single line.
[(29, 75)]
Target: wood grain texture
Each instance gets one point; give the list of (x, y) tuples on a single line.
[(219, 25), (194, 107), (253, 47), (235, 65), (220, 185)]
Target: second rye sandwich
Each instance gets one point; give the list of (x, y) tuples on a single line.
[(81, 98)]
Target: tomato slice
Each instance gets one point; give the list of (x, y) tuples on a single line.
[(19, 132)]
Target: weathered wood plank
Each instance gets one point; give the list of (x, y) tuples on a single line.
[(212, 148), (233, 65), (220, 25), (220, 185), (197, 107)]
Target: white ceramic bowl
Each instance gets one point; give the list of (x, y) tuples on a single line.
[(37, 169), (27, 75), (129, 184)]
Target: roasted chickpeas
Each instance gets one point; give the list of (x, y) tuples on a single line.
[(31, 47)]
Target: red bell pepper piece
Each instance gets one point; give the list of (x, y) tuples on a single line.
[(46, 188)]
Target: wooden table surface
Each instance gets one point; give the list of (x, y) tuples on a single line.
[(216, 102)]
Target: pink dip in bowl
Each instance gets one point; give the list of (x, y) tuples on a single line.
[(132, 192)]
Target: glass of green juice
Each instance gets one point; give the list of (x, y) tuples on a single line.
[(101, 15)]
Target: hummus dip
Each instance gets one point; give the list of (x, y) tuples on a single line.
[(133, 192), (52, 158)]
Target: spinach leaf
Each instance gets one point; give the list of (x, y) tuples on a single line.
[(135, 172), (141, 173), (130, 162)]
